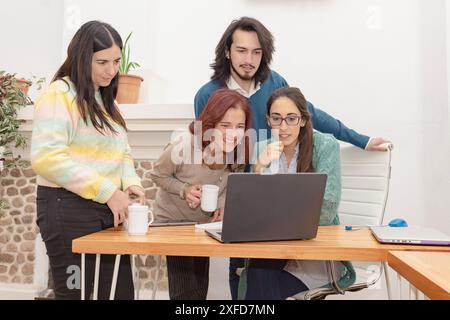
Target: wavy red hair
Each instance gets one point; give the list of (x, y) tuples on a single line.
[(218, 104)]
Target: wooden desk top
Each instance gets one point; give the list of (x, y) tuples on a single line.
[(331, 243), (427, 271)]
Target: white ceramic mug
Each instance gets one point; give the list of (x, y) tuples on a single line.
[(210, 195), (138, 219)]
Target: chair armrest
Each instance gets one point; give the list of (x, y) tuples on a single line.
[(388, 146)]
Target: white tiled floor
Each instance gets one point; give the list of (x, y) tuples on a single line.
[(11, 295)]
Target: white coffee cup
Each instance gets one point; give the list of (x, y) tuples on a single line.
[(138, 219), (210, 195)]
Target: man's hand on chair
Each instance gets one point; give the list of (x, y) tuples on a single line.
[(378, 144)]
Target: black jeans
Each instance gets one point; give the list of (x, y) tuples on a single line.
[(63, 216), (188, 277), (233, 278)]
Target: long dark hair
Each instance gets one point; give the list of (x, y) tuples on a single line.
[(92, 36), (221, 64), (218, 104), (305, 137)]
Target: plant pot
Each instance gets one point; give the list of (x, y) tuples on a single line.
[(128, 89), (23, 85)]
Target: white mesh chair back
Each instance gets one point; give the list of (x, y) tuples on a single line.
[(365, 185)]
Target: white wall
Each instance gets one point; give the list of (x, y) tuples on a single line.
[(448, 57), (31, 38), (435, 115)]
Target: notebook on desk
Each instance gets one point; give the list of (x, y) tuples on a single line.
[(261, 207), (410, 235), (169, 223)]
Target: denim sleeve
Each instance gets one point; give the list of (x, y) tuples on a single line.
[(325, 123), (199, 103)]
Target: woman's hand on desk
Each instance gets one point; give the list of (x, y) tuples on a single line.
[(193, 195), (218, 215), (118, 204)]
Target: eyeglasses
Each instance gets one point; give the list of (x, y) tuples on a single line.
[(276, 120)]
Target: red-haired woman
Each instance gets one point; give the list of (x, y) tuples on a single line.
[(213, 147)]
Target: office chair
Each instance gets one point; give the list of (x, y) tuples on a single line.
[(365, 189)]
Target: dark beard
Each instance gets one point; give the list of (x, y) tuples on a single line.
[(240, 76)]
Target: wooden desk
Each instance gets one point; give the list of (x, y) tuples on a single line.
[(331, 243), (427, 271)]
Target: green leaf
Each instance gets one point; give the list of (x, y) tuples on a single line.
[(126, 64), (11, 100)]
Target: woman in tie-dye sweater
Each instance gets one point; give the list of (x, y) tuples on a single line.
[(81, 155)]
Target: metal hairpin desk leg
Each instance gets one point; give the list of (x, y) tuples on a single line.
[(83, 258), (114, 280), (96, 276)]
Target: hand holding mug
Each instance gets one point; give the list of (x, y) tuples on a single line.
[(118, 204), (193, 195)]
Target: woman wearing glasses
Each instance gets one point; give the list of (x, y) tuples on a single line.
[(294, 147)]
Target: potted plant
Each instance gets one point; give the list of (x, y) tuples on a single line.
[(12, 99), (129, 85), (25, 84)]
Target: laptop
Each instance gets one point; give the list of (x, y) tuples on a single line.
[(410, 235), (268, 207)]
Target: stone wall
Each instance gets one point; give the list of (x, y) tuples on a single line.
[(147, 264), (18, 228)]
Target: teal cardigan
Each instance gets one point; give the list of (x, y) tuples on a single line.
[(326, 159)]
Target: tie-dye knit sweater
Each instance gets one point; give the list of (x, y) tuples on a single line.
[(69, 153)]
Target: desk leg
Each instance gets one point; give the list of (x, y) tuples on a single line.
[(83, 257), (416, 293), (420, 295), (413, 292), (155, 282), (399, 281), (114, 280), (388, 280), (96, 276)]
